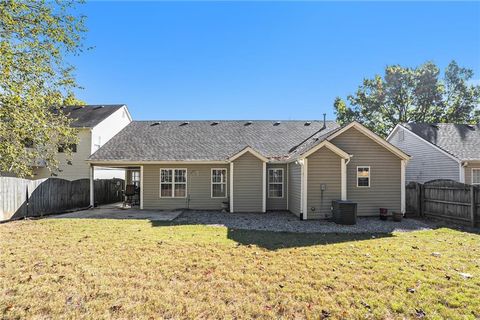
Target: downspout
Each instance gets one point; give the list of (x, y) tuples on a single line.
[(462, 165)]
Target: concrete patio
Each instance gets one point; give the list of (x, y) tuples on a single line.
[(116, 211)]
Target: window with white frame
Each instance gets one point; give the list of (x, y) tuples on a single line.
[(219, 183), (475, 175), (363, 176), (173, 183), (275, 183)]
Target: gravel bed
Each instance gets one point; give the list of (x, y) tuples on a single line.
[(287, 222)]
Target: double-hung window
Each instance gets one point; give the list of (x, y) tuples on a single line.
[(475, 175), (363, 177), (275, 183), (219, 183), (173, 183)]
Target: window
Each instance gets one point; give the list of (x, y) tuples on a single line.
[(173, 183), (363, 176), (275, 183), (476, 176), (219, 183), (62, 148), (135, 178)]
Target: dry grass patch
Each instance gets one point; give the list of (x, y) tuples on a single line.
[(135, 269)]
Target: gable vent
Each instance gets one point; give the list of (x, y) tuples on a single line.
[(307, 123), (214, 123), (277, 123), (184, 123), (248, 123), (154, 124)]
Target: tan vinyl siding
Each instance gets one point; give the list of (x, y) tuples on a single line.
[(198, 188), (385, 167), (247, 184), (294, 188), (324, 167), (278, 203), (468, 172), (79, 168)]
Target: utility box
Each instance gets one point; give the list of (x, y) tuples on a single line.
[(344, 212)]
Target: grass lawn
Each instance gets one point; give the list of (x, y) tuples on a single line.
[(135, 269)]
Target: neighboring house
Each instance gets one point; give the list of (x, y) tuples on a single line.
[(440, 151), (256, 166), (96, 125)]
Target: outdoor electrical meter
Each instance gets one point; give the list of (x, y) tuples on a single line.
[(323, 187)]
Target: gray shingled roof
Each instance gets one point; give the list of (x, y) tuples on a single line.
[(200, 140), (89, 116), (460, 140)]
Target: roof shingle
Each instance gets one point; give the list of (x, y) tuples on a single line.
[(208, 140), (89, 116), (460, 140)]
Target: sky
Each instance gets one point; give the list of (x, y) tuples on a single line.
[(260, 60)]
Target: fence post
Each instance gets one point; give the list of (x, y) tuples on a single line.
[(422, 200), (472, 205)]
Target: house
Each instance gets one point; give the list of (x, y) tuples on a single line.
[(257, 166), (96, 125), (440, 151)]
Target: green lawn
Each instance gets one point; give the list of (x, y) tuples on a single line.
[(135, 269)]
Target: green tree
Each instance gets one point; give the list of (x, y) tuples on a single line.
[(36, 37), (412, 95)]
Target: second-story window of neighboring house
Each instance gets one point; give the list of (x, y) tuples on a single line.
[(135, 178), (476, 176), (62, 148), (97, 144)]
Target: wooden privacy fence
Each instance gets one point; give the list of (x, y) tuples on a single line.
[(444, 199), (31, 198)]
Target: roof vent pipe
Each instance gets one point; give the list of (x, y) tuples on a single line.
[(324, 121)]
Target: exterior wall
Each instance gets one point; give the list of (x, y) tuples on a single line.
[(294, 188), (109, 127), (79, 169), (278, 203), (427, 163), (468, 171), (198, 188), (247, 184), (324, 167), (89, 142), (385, 173)]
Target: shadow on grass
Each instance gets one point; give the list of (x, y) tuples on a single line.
[(271, 240), (279, 240)]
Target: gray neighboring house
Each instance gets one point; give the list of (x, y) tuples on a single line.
[(440, 151), (258, 166)]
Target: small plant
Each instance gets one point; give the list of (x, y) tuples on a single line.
[(383, 213)]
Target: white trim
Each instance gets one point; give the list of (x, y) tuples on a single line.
[(472, 176), (461, 174), (173, 183), (343, 176), (141, 187), (328, 145), (422, 139), (402, 186), (137, 163), (226, 183), (245, 150), (301, 163), (288, 181), (305, 189), (231, 187), (369, 177), (92, 186), (282, 183), (264, 187), (372, 136)]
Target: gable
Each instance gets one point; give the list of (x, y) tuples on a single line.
[(360, 130), (355, 142)]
